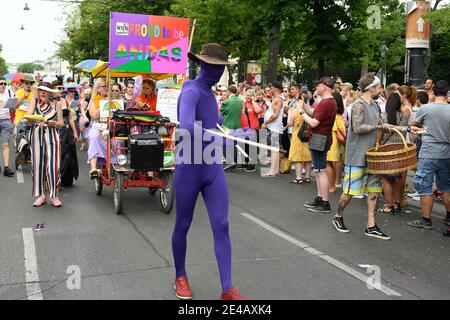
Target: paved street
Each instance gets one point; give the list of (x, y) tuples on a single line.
[(280, 250)]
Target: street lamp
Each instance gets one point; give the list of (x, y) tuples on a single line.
[(26, 7), (384, 50)]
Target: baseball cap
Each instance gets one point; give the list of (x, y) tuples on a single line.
[(278, 85), (349, 85), (327, 81)]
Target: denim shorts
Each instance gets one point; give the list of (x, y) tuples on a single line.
[(319, 160), (427, 170), (6, 130)]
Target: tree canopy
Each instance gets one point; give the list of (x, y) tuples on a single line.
[(302, 39), (3, 67), (30, 67)]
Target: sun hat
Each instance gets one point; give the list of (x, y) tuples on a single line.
[(211, 53), (45, 86)]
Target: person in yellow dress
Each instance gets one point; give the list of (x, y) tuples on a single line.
[(299, 153), (335, 155)]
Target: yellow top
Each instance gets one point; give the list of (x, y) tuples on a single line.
[(22, 110), (336, 150)]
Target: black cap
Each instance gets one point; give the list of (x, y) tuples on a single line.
[(277, 84)]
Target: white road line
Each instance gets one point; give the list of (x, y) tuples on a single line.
[(19, 175), (358, 275), (31, 268)]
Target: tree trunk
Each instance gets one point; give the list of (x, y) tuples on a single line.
[(320, 68), (274, 46), (364, 65)]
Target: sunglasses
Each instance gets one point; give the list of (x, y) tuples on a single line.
[(115, 90), (3, 84), (28, 82), (60, 88)]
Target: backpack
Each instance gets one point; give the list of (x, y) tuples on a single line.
[(303, 132)]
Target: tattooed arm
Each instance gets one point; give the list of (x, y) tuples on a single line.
[(358, 124)]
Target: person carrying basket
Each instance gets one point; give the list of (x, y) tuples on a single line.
[(362, 135)]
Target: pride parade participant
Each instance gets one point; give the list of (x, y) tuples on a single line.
[(147, 100), (197, 103)]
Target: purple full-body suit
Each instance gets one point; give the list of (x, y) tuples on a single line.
[(197, 103)]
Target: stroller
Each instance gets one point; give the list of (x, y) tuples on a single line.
[(22, 144)]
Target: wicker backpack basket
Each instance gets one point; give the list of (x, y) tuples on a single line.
[(391, 158)]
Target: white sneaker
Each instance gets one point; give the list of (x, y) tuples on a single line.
[(359, 197), (416, 198), (412, 195)]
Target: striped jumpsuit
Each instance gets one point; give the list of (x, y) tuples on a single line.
[(45, 153)]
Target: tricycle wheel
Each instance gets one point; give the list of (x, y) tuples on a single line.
[(98, 185), (118, 193), (166, 195)]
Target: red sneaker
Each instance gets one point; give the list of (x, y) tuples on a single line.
[(232, 294), (182, 288)]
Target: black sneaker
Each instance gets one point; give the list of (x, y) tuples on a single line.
[(447, 233), (8, 172), (250, 168), (315, 203), (420, 223), (375, 232), (323, 208), (446, 221), (338, 223), (230, 166)]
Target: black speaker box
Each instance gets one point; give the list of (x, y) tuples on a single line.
[(146, 152)]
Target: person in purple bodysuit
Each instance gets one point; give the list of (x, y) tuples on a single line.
[(197, 103)]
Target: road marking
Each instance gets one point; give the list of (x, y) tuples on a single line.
[(356, 274), (19, 175), (31, 268)]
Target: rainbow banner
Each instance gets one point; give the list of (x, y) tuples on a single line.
[(148, 44)]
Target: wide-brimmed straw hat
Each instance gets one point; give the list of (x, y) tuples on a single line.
[(45, 86), (211, 53)]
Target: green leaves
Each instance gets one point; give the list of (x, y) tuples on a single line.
[(314, 33), (3, 68), (29, 67)]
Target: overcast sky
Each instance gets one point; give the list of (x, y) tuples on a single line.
[(43, 25)]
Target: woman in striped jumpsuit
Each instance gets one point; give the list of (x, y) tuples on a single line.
[(45, 146)]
